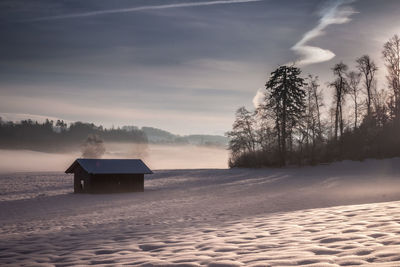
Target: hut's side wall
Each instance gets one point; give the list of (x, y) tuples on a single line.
[(116, 183), (81, 180)]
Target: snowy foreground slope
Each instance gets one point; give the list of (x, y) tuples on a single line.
[(342, 214)]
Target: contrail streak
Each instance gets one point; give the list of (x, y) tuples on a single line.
[(141, 8), (336, 13)]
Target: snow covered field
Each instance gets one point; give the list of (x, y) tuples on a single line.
[(343, 214)]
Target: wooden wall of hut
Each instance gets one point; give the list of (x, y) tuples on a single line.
[(81, 180), (116, 183)]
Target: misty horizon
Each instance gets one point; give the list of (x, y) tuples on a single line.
[(58, 143)]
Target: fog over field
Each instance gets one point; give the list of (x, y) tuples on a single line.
[(155, 156)]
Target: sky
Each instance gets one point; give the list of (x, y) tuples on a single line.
[(181, 65)]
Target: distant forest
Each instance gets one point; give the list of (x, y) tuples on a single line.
[(290, 128), (58, 136)]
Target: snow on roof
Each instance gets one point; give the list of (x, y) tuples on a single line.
[(111, 166)]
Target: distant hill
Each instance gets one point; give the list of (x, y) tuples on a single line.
[(158, 136)]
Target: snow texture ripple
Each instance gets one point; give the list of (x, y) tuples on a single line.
[(344, 214)]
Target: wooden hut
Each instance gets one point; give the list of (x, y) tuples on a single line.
[(108, 175)]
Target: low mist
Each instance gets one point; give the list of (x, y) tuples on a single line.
[(170, 156), (155, 156), (93, 147)]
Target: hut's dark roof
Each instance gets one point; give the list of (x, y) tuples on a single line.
[(111, 166)]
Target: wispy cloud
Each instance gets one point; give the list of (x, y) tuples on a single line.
[(337, 12), (143, 8)]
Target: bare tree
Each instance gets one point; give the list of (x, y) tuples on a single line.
[(368, 69), (381, 109), (265, 133), (318, 101), (265, 136), (312, 128), (242, 136), (391, 55), (341, 88), (354, 79)]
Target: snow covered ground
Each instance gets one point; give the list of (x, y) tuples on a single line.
[(343, 214)]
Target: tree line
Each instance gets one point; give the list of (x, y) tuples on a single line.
[(51, 136), (58, 136), (290, 127)]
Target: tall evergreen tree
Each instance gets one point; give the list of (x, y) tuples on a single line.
[(286, 98)]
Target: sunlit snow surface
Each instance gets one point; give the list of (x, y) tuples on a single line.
[(314, 216)]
